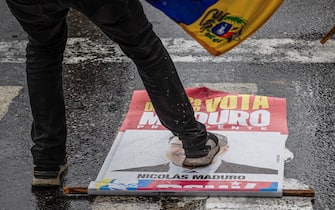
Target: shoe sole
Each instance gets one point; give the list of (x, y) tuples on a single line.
[(202, 161), (38, 182)]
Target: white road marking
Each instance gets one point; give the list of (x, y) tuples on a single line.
[(7, 94), (109, 202), (284, 203), (184, 50)]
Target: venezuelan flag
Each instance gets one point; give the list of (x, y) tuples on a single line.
[(218, 25)]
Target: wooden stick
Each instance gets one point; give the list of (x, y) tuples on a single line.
[(286, 192), (328, 35), (75, 190), (299, 193)]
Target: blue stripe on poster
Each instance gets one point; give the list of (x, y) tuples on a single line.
[(272, 188), (142, 183)]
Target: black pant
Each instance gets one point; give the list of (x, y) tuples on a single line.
[(124, 22)]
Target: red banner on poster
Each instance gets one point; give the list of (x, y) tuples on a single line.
[(217, 110)]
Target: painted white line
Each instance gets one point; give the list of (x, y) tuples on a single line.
[(258, 203), (183, 50), (7, 94), (109, 202), (12, 52)]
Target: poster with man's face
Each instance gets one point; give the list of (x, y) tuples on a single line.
[(146, 158)]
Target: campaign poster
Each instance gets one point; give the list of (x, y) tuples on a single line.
[(250, 161)]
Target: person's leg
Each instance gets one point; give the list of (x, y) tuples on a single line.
[(46, 27), (125, 22)]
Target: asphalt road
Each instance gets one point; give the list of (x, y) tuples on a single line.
[(98, 93)]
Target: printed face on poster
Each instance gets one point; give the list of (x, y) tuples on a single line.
[(250, 161)]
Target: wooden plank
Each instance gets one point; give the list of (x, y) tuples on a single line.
[(299, 192), (75, 190), (286, 192)]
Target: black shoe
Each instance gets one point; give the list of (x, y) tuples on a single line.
[(206, 156), (48, 177)]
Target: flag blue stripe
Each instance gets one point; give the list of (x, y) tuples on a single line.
[(183, 11)]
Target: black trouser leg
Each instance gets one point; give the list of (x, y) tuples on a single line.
[(171, 102), (47, 34), (124, 22), (129, 27)]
